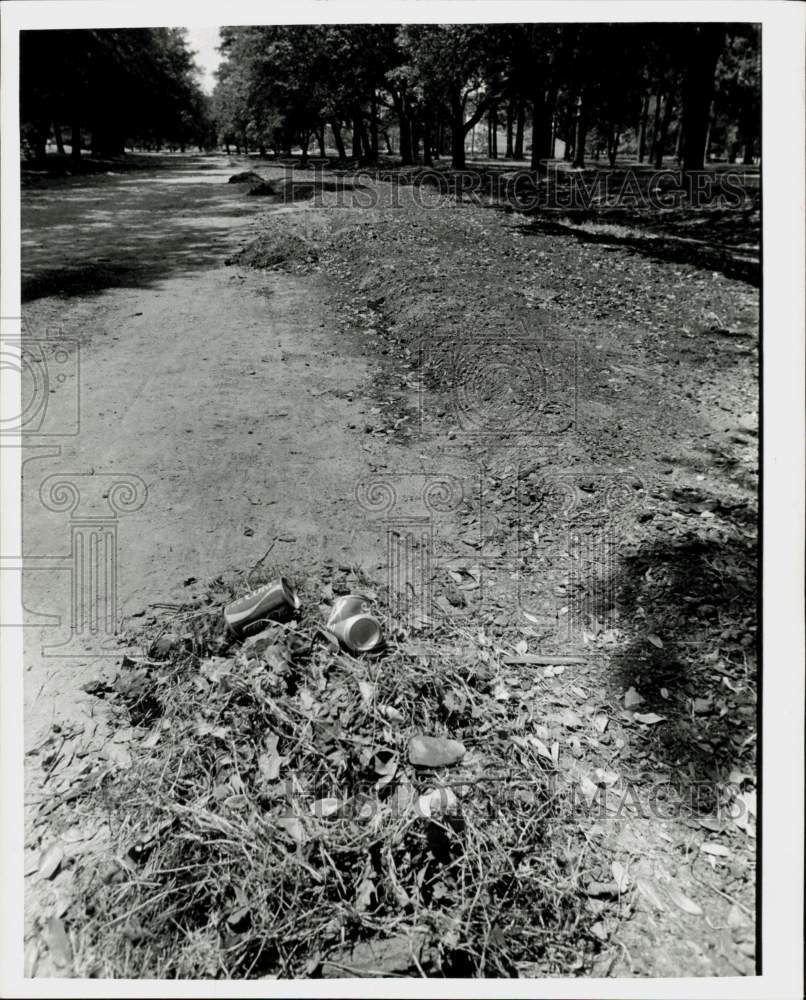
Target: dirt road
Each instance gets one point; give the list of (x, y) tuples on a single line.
[(240, 410), (219, 393)]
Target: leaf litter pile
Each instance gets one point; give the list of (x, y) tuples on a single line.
[(288, 810)]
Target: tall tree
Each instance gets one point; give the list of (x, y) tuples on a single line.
[(705, 46)]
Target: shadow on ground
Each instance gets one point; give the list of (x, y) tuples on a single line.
[(84, 235)]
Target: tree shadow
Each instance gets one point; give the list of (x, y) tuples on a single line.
[(688, 603), (83, 236), (678, 250)]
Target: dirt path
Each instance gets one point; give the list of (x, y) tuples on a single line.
[(219, 393), (244, 408)]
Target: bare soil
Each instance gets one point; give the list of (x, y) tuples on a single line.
[(254, 364)]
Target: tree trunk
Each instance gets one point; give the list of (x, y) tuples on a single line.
[(357, 134), (106, 142), (493, 132), (427, 161), (541, 128), (388, 141), (707, 149), (373, 127), (612, 147), (404, 123), (580, 134), (698, 90), (446, 139), (642, 128), (510, 129), (75, 141), (320, 138), (660, 149), (416, 133), (653, 146), (458, 160), (57, 135), (337, 139), (520, 122)]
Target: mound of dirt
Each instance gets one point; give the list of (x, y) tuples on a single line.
[(283, 250), (245, 177), (263, 189)]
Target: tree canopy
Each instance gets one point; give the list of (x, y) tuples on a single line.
[(419, 91), (120, 86)]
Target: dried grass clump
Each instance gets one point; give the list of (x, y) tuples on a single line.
[(271, 825)]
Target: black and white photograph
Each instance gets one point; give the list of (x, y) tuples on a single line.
[(402, 552)]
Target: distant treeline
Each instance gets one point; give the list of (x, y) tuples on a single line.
[(415, 92), (108, 89), (423, 89)]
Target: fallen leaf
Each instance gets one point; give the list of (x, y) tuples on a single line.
[(606, 778), (384, 764), (117, 755), (326, 808), (293, 828), (681, 900), (367, 692), (215, 669), (717, 850), (152, 739), (269, 765), (655, 640), (648, 719), (632, 698), (240, 919), (436, 802), (365, 894), (588, 787), (620, 876), (600, 722), (50, 861), (391, 713), (648, 890), (435, 751), (61, 951), (500, 691)]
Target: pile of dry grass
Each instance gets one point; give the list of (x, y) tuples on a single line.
[(271, 823)]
